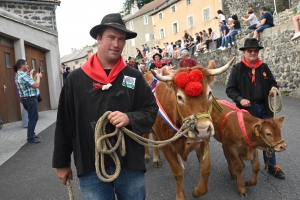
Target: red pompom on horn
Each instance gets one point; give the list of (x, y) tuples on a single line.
[(193, 89), (196, 76), (181, 79)]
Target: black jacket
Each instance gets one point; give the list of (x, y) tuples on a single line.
[(239, 85), (80, 107)]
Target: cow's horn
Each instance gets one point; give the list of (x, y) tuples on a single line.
[(213, 72), (163, 78)]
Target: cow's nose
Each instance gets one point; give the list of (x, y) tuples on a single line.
[(282, 147)]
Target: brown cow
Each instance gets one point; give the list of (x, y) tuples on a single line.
[(262, 133), (178, 105)]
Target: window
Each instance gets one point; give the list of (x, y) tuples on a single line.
[(131, 25), (188, 2), (160, 15), (190, 21), (206, 14), (8, 60), (145, 19), (175, 27), (132, 42), (162, 33), (147, 37), (42, 65), (173, 9), (33, 64)]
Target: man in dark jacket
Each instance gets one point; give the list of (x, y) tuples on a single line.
[(249, 85), (104, 83)]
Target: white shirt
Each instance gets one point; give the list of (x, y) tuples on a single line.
[(222, 17), (170, 47), (253, 18)]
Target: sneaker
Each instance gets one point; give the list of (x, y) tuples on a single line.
[(276, 171), (229, 46), (296, 35), (35, 141), (220, 48), (37, 137), (224, 48), (205, 51)]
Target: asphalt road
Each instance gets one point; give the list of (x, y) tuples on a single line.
[(28, 174)]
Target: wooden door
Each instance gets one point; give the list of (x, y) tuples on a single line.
[(36, 59), (9, 104)]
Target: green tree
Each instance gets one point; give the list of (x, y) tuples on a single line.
[(127, 6)]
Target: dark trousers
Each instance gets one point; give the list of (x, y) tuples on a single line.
[(31, 105), (261, 112), (218, 41)]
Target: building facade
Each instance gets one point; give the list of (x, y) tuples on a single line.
[(23, 38)]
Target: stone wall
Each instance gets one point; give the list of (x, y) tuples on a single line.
[(39, 14), (281, 54)]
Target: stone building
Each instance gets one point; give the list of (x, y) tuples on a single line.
[(28, 30)]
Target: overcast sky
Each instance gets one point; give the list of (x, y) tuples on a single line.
[(76, 18)]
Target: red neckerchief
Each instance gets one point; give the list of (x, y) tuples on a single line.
[(95, 71), (158, 64), (131, 64), (253, 67)]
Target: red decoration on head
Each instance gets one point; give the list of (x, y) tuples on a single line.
[(191, 82)]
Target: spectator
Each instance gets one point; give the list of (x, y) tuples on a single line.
[(156, 50), (147, 48), (252, 19), (266, 22), (236, 30), (186, 35), (198, 40), (190, 42), (143, 51), (204, 38), (24, 111), (225, 38), (165, 51), (132, 63), (138, 54), (66, 73), (170, 49), (186, 60), (223, 32), (296, 23), (221, 17), (175, 52), (159, 49), (209, 39), (183, 44), (157, 64)]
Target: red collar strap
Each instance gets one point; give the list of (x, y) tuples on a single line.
[(240, 120)]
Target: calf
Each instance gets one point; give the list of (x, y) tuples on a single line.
[(239, 144)]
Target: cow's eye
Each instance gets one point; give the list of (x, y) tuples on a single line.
[(268, 133), (209, 95), (180, 99)]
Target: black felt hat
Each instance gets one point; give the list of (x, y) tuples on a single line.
[(157, 54), (251, 43), (113, 20)]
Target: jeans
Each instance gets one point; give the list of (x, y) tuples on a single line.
[(219, 42), (224, 40), (130, 185), (262, 28), (180, 50), (261, 112), (31, 105), (252, 27), (24, 118), (233, 33)]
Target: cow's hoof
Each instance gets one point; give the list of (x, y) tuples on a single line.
[(250, 183), (243, 194), (157, 164), (147, 160), (197, 193)]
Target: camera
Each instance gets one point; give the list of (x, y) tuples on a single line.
[(215, 17)]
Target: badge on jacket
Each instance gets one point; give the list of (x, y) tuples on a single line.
[(129, 82), (265, 75)]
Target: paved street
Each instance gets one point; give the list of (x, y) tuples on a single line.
[(28, 174)]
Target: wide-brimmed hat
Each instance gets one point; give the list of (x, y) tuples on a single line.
[(113, 20), (251, 43), (157, 54)]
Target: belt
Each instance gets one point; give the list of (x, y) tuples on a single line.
[(28, 97)]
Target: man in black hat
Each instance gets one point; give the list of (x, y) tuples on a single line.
[(104, 83), (249, 85), (157, 64)]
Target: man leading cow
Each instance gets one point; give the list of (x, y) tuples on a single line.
[(249, 84)]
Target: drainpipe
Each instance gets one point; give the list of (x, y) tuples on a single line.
[(52, 17)]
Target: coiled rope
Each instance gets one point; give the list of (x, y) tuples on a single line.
[(270, 149), (103, 145)]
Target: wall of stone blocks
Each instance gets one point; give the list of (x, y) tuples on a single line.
[(281, 54), (39, 14)]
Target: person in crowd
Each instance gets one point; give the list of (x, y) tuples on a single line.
[(296, 20), (198, 40), (143, 51), (138, 54), (186, 60), (157, 64), (204, 38), (236, 25), (209, 39), (132, 63), (186, 34), (175, 52), (66, 73), (165, 51), (225, 38), (29, 92), (155, 50), (251, 18), (147, 48), (223, 32), (266, 22), (250, 83), (221, 17), (83, 101), (170, 49), (24, 111), (159, 49), (183, 45)]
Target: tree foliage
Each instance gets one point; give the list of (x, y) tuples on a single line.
[(127, 5)]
